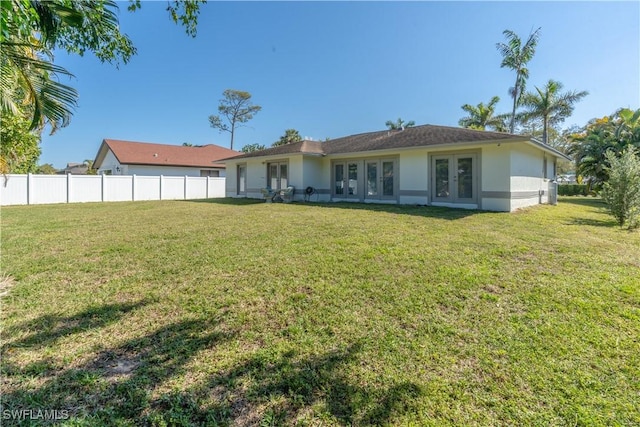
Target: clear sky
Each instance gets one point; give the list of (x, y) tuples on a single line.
[(331, 69)]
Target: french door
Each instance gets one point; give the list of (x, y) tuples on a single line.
[(454, 178), (277, 175), (345, 179), (380, 179), (369, 179)]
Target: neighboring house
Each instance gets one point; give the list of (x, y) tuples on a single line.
[(74, 169), (117, 157), (425, 165)]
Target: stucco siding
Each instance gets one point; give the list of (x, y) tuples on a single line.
[(164, 170), (528, 186), (414, 177), (109, 163), (495, 168)]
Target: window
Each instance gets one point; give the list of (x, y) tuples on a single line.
[(211, 173), (277, 175)]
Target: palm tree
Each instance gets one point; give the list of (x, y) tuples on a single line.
[(482, 116), (26, 79), (399, 124), (549, 105), (515, 55)]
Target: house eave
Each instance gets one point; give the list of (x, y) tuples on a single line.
[(535, 142)]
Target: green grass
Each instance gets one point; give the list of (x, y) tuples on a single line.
[(242, 313)]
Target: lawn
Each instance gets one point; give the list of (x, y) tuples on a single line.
[(241, 313)]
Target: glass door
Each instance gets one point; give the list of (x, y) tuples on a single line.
[(346, 180), (441, 178), (277, 175), (388, 179), (454, 178), (372, 180), (464, 179), (242, 179), (380, 179)]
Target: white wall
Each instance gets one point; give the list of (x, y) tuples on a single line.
[(528, 187), (167, 170), (42, 189), (414, 177), (495, 168)]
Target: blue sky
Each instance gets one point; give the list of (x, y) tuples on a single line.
[(331, 69)]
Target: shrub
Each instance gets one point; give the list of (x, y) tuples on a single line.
[(622, 190), (573, 190)]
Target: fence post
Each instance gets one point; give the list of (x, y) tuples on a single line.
[(133, 187), (160, 187), (207, 195), (29, 189), (68, 187), (102, 188), (185, 187)]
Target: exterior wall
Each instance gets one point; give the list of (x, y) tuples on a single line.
[(509, 175), (316, 174), (166, 170), (413, 175), (528, 187), (110, 163), (495, 185)]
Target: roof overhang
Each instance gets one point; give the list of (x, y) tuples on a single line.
[(548, 149)]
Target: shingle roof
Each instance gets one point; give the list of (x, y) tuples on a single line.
[(418, 136), (146, 153)]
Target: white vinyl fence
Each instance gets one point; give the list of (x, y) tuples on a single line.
[(41, 189)]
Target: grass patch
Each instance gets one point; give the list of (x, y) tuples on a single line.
[(230, 312)]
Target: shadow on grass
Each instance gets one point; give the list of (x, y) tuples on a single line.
[(280, 391), (115, 387), (421, 210), (119, 386), (597, 205), (51, 327)]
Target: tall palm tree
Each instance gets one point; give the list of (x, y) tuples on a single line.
[(515, 56), (549, 105), (482, 116)]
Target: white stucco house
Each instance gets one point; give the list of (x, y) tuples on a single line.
[(425, 165), (116, 157)]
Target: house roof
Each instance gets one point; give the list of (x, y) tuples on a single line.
[(418, 136), (146, 153)]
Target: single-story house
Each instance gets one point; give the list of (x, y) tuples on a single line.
[(117, 157), (425, 165)]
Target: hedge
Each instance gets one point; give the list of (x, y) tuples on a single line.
[(573, 190)]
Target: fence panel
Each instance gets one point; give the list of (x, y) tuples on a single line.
[(45, 189), (85, 188), (216, 188), (118, 188), (41, 189), (172, 187), (14, 190), (146, 187), (196, 187)]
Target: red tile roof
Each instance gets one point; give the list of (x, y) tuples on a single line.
[(145, 153)]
